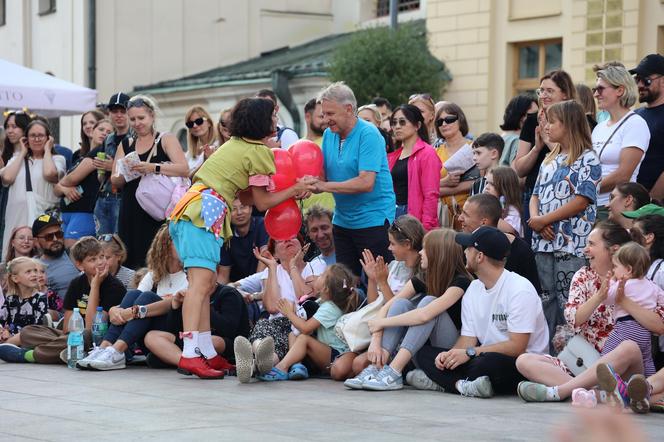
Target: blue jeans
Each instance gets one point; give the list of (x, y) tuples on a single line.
[(107, 211), (135, 330)]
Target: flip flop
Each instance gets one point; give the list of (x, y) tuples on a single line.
[(273, 375), (298, 372)]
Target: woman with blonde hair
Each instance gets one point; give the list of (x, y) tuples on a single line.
[(563, 205), (427, 106), (426, 309), (622, 140), (201, 136), (158, 154)]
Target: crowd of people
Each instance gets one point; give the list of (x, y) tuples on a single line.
[(524, 261)]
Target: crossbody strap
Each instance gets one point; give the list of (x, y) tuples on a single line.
[(153, 151), (601, 151), (28, 180)]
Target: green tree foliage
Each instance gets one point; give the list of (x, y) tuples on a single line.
[(389, 63)]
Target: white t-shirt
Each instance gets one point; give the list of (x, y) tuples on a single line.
[(510, 306), (634, 133), (315, 267), (168, 285), (398, 275), (513, 218)]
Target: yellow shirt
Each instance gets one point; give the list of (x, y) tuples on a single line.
[(451, 200)]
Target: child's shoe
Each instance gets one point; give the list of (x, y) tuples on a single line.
[(273, 375), (387, 379), (639, 390), (298, 372), (613, 390), (584, 398), (359, 380)]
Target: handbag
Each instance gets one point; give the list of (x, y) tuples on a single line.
[(158, 194), (352, 327), (578, 355), (30, 194)]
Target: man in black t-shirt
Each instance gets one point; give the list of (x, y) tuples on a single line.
[(485, 210), (237, 257), (649, 76)]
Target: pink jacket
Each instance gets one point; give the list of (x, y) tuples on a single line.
[(423, 182)]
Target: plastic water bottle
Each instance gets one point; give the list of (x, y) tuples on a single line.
[(75, 339), (99, 326)]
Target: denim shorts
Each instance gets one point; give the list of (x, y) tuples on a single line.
[(196, 246), (78, 224)]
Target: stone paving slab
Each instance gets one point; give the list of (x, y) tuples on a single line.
[(53, 403)]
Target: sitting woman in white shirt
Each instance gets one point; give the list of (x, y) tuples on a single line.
[(286, 276)]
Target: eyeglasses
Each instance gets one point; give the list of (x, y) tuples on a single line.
[(545, 91), (37, 136), (647, 81), (197, 122), (52, 236), (599, 90), (447, 120), (138, 102), (400, 122)]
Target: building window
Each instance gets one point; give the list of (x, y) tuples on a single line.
[(383, 6), (533, 60), (3, 6), (46, 7)]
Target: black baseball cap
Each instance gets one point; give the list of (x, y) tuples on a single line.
[(44, 221), (651, 64), (488, 240), (118, 100)]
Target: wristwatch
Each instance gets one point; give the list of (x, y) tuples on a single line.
[(470, 352), (157, 168), (142, 311)]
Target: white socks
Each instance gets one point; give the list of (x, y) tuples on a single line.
[(205, 344), (190, 341), (552, 394)]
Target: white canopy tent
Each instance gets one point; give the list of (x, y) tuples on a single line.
[(21, 87)]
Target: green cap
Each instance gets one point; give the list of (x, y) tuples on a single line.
[(648, 209)]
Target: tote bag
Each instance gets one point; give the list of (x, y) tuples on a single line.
[(352, 327)]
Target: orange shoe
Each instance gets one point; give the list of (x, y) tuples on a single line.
[(199, 367)]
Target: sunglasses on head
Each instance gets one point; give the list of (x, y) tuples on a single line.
[(425, 97), (447, 120), (138, 102), (400, 122), (108, 237), (52, 236), (197, 122), (647, 81)]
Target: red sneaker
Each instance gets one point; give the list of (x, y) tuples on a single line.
[(198, 367), (220, 363)]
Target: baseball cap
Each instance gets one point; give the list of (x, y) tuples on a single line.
[(118, 100), (42, 222), (651, 64), (488, 240), (648, 209)]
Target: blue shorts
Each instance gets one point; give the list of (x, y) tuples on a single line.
[(196, 246), (78, 224)]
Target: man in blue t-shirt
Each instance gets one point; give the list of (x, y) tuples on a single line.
[(357, 174)]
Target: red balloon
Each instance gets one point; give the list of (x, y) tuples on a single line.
[(282, 181), (283, 162), (284, 223), (307, 158)]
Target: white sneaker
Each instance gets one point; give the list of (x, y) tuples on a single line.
[(244, 359), (365, 375), (108, 359), (480, 387), (85, 362), (418, 379)]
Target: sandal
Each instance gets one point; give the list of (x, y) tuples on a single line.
[(273, 375), (298, 372)]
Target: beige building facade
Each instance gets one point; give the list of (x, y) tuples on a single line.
[(497, 48)]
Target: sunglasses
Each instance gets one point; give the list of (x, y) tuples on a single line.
[(447, 120), (647, 81), (395, 228), (425, 97), (599, 90), (197, 122), (138, 102), (52, 236), (400, 122)]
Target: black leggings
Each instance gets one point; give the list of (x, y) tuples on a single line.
[(500, 368)]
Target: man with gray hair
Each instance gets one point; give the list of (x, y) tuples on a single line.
[(357, 174)]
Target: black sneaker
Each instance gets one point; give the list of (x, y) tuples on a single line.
[(12, 353), (152, 361)]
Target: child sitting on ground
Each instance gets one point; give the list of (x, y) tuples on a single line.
[(338, 296), (487, 149)]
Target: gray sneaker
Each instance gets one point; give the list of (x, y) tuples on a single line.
[(265, 355), (244, 359), (357, 382), (480, 387), (532, 392), (387, 379), (83, 364), (419, 380), (108, 359)]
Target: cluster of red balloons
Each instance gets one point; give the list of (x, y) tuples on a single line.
[(303, 158)]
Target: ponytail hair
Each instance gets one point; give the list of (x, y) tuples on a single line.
[(340, 287)]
